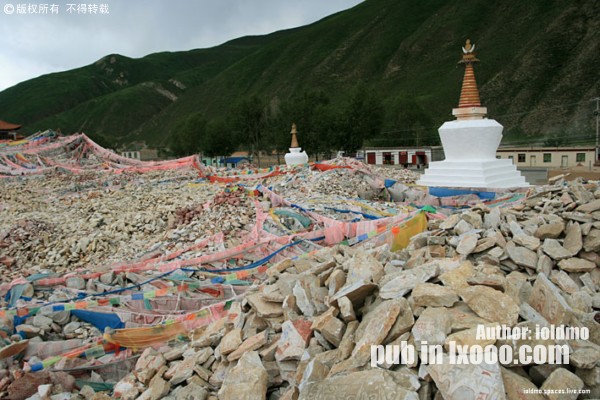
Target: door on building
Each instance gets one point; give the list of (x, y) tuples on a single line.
[(564, 161), (370, 158), (532, 160), (404, 158), (388, 159), (421, 158)]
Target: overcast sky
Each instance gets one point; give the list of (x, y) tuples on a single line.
[(35, 41)]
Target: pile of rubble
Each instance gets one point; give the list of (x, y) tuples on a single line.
[(403, 175), (61, 222), (47, 226), (307, 332), (307, 329), (341, 182)]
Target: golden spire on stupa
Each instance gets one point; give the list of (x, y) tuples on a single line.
[(469, 105), (294, 138)]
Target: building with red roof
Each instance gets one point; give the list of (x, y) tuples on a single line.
[(8, 131)]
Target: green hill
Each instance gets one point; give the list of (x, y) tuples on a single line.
[(538, 72)]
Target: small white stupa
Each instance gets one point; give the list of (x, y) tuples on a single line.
[(470, 143), (295, 157)]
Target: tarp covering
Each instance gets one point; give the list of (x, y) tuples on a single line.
[(99, 320), (448, 192)]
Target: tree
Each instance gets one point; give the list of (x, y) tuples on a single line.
[(556, 140), (411, 125), (277, 135), (248, 119), (189, 135), (101, 140), (361, 118), (219, 140), (312, 113)]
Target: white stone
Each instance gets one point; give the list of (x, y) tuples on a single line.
[(468, 380)]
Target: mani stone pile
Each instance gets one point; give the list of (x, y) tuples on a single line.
[(307, 332), (98, 219), (60, 222)]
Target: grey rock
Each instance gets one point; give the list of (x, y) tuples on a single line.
[(576, 265), (247, 380), (467, 244), (530, 242), (553, 248), (573, 238), (521, 255), (591, 242), (550, 231)]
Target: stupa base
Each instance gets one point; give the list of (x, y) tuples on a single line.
[(473, 174), (295, 157)]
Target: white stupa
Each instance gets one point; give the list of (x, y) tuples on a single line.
[(295, 157), (470, 143)]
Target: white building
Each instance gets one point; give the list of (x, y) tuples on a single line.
[(134, 154), (403, 156), (550, 157)]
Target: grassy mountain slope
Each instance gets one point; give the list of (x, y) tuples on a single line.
[(538, 71), (67, 99)]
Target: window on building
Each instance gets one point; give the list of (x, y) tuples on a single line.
[(521, 157), (547, 157), (580, 157)]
